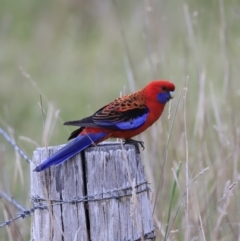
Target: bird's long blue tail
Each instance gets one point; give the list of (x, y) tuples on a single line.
[(72, 148)]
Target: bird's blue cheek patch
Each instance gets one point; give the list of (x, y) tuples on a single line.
[(163, 97), (132, 124)]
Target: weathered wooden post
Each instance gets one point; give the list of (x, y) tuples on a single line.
[(99, 195)]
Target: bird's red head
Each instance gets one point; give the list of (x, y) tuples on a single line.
[(162, 89)]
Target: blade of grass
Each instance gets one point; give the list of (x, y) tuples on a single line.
[(172, 194), (165, 153)]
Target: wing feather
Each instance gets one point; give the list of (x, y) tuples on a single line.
[(124, 113)]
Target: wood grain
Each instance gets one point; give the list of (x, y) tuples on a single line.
[(100, 172)]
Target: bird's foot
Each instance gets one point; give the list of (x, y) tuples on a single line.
[(135, 143)]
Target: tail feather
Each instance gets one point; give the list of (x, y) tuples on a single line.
[(72, 148)]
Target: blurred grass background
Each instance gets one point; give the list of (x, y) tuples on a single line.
[(79, 55)]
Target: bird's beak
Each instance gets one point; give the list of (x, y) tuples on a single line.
[(171, 94)]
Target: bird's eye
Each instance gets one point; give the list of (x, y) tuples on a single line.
[(164, 88)]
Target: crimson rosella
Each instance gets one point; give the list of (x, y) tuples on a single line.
[(125, 117)]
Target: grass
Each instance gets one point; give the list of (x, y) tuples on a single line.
[(79, 56)]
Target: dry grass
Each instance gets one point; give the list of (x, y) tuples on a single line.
[(73, 54)]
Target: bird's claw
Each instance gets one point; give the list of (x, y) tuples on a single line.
[(135, 143)]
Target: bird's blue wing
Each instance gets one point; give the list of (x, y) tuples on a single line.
[(127, 123)]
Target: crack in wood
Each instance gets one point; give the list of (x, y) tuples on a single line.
[(85, 191), (61, 214)]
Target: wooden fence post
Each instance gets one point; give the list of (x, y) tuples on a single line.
[(90, 197)]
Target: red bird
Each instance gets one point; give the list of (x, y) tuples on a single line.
[(124, 118)]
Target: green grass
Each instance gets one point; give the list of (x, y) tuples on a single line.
[(76, 56)]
